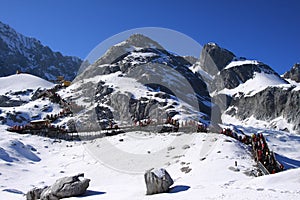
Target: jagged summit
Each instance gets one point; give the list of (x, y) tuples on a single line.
[(134, 42), (142, 41), (294, 73), (213, 58), (26, 54)]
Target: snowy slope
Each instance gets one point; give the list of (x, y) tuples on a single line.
[(258, 83), (19, 82), (28, 161)]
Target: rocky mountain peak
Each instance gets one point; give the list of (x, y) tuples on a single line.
[(294, 73), (134, 42), (214, 58), (142, 41)]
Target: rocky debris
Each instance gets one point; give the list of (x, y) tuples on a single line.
[(294, 73), (186, 169), (213, 58), (186, 146), (63, 188), (157, 181)]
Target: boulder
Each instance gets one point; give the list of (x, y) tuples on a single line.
[(34, 193), (65, 187), (157, 181)]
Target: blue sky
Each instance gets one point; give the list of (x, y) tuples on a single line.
[(265, 30)]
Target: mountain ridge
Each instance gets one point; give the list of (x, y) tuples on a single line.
[(27, 54)]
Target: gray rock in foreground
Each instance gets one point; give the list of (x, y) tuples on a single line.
[(62, 188), (157, 181)]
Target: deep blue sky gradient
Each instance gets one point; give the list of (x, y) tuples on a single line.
[(265, 30)]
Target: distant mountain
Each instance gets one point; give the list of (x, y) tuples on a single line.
[(18, 52), (249, 90)]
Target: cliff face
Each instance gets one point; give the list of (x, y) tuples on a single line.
[(269, 104)]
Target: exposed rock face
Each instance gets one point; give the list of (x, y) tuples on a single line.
[(294, 73), (269, 104), (214, 58), (18, 52), (157, 181), (62, 188)]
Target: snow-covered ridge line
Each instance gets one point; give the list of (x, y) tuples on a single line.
[(242, 62)]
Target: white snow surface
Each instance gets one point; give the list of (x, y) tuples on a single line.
[(28, 161), (260, 82), (241, 62), (19, 82)]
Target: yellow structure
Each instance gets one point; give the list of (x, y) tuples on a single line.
[(66, 83)]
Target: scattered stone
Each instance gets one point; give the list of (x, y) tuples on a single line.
[(186, 146), (121, 140), (170, 148), (235, 169), (186, 169), (157, 181)]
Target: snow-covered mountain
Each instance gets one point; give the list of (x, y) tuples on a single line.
[(18, 52), (249, 90), (138, 77)]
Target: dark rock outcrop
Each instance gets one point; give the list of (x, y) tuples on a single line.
[(294, 73)]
